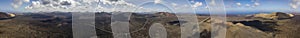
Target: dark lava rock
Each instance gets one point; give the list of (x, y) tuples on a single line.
[(264, 26), (4, 15), (281, 15)]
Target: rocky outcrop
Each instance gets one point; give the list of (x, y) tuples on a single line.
[(167, 14), (240, 30), (4, 15), (274, 15), (281, 15), (243, 29)]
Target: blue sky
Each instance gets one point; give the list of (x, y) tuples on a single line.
[(264, 6), (230, 6), (5, 5)]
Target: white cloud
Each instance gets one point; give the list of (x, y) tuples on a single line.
[(212, 2), (247, 5), (256, 4), (192, 1), (26, 0), (157, 1), (174, 4), (56, 5), (295, 4), (197, 4), (76, 5), (239, 4), (93, 6), (17, 3), (90, 1)]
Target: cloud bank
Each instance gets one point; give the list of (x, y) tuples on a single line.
[(91, 5)]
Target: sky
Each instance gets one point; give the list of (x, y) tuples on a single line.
[(5, 5), (198, 6)]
